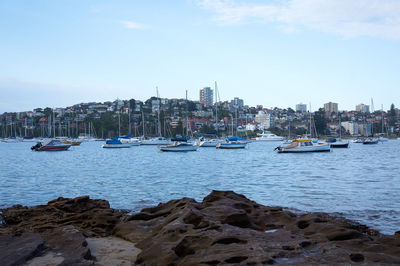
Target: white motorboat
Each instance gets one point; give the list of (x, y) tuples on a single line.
[(115, 143), (304, 145), (179, 147), (156, 141), (359, 140), (233, 143), (268, 136)]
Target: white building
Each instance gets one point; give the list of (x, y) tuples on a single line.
[(351, 127), (206, 96), (363, 108), (155, 105), (302, 108)]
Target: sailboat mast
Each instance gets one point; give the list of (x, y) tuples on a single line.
[(54, 125), (143, 122), (129, 118), (187, 134), (310, 121), (158, 114), (216, 109), (382, 119), (119, 124)]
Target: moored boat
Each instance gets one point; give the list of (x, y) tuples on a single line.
[(233, 143), (73, 142), (179, 146), (338, 143), (369, 141), (268, 136), (115, 143), (304, 145), (51, 145)]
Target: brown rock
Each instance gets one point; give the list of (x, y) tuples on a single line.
[(228, 228), (94, 217)]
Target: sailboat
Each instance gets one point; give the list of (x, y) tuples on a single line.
[(381, 136), (212, 142), (338, 142), (160, 140), (181, 144)]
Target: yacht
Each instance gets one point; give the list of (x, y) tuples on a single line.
[(115, 143), (233, 143), (268, 136), (179, 146), (303, 145)]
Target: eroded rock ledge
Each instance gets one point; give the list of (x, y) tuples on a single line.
[(225, 228)]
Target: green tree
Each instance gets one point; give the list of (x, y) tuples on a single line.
[(392, 115), (320, 122)]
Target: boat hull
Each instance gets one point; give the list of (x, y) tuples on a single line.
[(178, 149), (59, 148), (116, 146), (370, 142), (319, 148), (339, 145), (231, 146)]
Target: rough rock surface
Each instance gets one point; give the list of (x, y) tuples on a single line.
[(227, 228), (54, 234), (224, 229)]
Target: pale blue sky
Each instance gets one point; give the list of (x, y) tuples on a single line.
[(272, 52)]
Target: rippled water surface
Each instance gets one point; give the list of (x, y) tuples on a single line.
[(361, 183)]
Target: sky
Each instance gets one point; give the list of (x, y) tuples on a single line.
[(277, 53)]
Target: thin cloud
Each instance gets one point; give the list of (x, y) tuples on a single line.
[(374, 18), (133, 25)]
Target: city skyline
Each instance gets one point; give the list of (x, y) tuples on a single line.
[(272, 53)]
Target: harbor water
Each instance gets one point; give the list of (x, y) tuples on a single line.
[(361, 183)]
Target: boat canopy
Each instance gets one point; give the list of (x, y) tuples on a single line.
[(184, 139), (331, 140), (125, 137), (113, 141), (235, 139)]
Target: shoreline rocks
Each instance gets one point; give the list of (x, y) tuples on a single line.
[(224, 229)]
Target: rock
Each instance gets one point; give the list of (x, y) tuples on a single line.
[(228, 228), (225, 228), (112, 251), (16, 250), (93, 217)]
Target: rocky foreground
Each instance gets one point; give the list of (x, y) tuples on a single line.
[(226, 228)]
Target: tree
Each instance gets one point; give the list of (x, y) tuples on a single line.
[(132, 104), (207, 129), (48, 111), (320, 122), (392, 115)]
